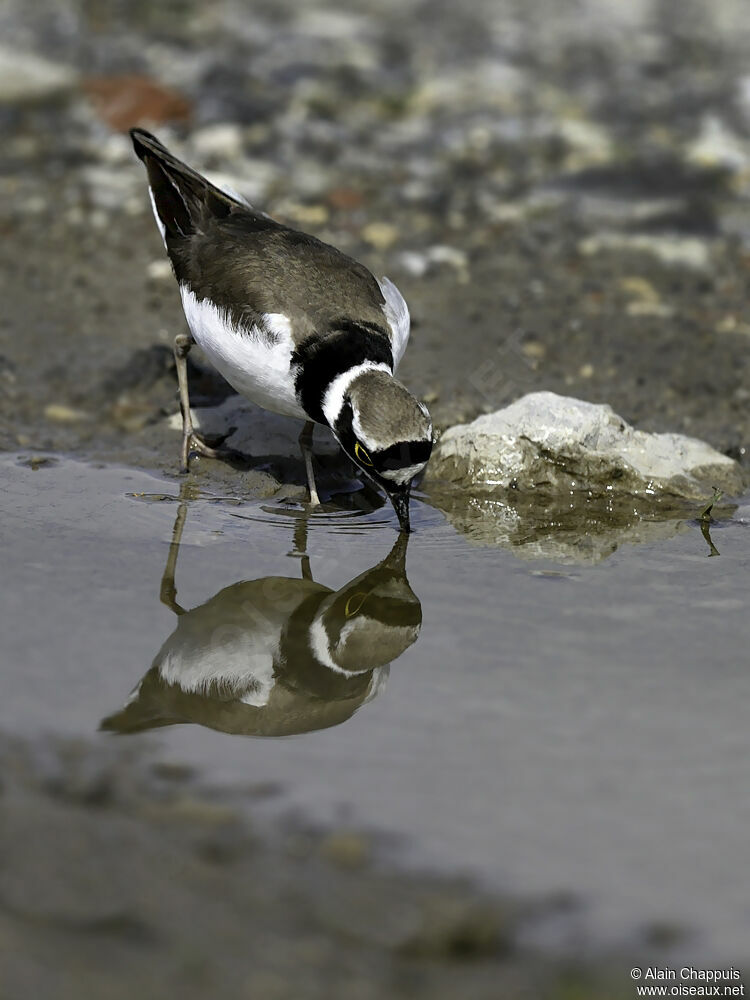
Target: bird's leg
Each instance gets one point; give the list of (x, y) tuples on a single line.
[(300, 547), (168, 592), (190, 440), (305, 443)]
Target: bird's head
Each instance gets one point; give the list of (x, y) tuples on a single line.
[(384, 430), (370, 621)]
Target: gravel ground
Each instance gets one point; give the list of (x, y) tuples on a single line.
[(562, 192)]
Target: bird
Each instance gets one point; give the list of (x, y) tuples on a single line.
[(292, 324), (275, 656)]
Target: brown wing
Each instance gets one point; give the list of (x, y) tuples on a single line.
[(248, 264)]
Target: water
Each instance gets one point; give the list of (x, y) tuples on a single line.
[(549, 728)]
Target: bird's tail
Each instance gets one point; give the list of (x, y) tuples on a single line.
[(180, 194)]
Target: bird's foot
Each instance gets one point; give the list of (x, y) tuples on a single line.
[(314, 500), (192, 444)]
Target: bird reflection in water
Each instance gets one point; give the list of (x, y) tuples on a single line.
[(276, 656)]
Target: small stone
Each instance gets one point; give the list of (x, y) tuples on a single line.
[(586, 371), (346, 199), (26, 78), (588, 142), (62, 414), (38, 462), (730, 324), (159, 270), (442, 254), (222, 139), (639, 288), (306, 215), (658, 309), (131, 414), (413, 263), (123, 101), (380, 235), (534, 349), (677, 251), (717, 146), (346, 849)]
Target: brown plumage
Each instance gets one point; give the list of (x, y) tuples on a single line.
[(250, 265)]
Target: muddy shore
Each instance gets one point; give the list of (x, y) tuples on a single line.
[(157, 885)]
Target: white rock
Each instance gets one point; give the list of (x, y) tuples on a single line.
[(717, 146), (680, 251), (589, 140), (555, 445), (159, 270), (222, 139), (25, 77), (419, 263)]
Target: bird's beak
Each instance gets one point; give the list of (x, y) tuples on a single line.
[(400, 500)]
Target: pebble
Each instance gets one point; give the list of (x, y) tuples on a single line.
[(129, 99), (305, 215), (28, 78), (62, 414), (380, 235), (159, 270), (224, 139), (717, 146), (677, 251)]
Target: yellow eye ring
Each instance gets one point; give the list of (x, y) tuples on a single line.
[(354, 603), (361, 454)]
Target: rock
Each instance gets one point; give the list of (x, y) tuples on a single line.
[(28, 78), (159, 270), (222, 139), (554, 445), (123, 101), (380, 235), (644, 298), (589, 143), (419, 264), (62, 414), (676, 251), (716, 146)]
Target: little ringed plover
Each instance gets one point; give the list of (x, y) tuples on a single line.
[(291, 323)]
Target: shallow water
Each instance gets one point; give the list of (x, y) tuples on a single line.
[(551, 729)]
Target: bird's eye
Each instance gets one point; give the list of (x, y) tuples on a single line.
[(354, 603), (361, 454)]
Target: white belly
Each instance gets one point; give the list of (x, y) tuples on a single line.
[(256, 365)]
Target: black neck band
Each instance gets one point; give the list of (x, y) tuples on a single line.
[(319, 360)]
